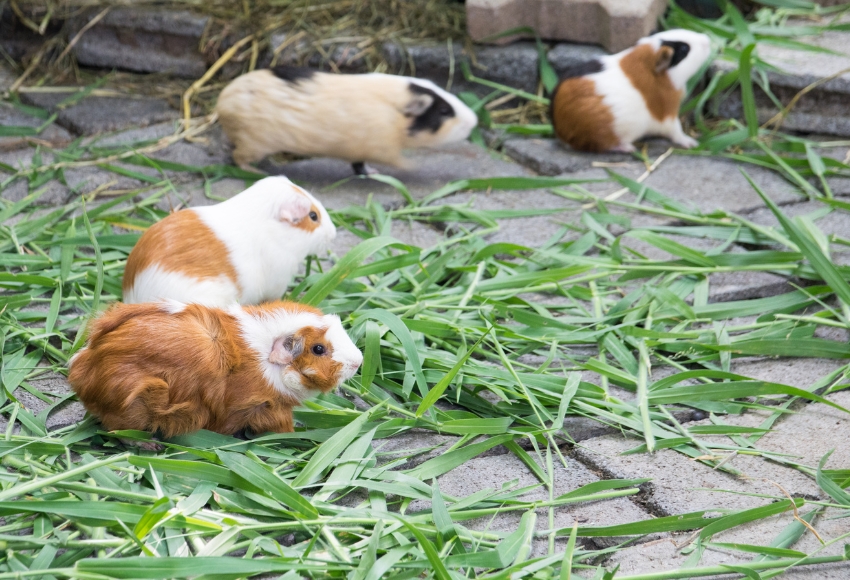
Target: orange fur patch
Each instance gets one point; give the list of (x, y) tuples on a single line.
[(317, 371), (180, 243), (147, 369), (641, 66), (580, 118)]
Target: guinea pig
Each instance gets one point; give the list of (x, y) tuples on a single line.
[(358, 118), (607, 103), (174, 368), (246, 249)]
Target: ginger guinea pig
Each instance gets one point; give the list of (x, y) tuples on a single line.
[(177, 368), (246, 249), (607, 103), (358, 118)]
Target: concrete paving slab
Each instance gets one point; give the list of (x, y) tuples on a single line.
[(431, 169), (669, 553), (797, 372), (94, 115), (493, 472), (705, 183), (417, 445), (723, 286), (802, 434), (68, 413), (52, 135), (711, 184), (680, 485)]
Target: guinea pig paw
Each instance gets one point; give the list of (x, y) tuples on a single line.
[(144, 445), (624, 148), (361, 168), (686, 142)]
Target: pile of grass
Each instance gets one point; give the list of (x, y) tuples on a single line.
[(483, 343)]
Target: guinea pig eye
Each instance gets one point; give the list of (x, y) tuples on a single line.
[(445, 111), (314, 216), (318, 350)]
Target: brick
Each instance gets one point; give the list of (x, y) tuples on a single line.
[(613, 24)]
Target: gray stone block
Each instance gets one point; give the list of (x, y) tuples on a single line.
[(565, 55), (514, 65), (615, 25), (823, 109), (144, 40), (10, 116), (94, 115), (7, 78), (551, 157)]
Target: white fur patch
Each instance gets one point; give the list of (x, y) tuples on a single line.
[(265, 251), (153, 284), (260, 334), (345, 351), (632, 119), (459, 127), (76, 354), (172, 306)]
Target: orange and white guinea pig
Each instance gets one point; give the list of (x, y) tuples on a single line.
[(358, 118), (246, 249), (608, 103), (174, 368)]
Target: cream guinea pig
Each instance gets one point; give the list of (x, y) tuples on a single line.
[(358, 118), (246, 249), (608, 103), (176, 368)]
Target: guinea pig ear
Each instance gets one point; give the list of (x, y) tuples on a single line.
[(285, 350), (664, 59), (418, 105), (294, 209)]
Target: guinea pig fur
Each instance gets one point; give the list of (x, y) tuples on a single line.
[(246, 249), (358, 118), (607, 103), (176, 368)]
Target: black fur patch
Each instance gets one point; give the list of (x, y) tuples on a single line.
[(292, 74), (581, 69), (680, 50), (434, 116)]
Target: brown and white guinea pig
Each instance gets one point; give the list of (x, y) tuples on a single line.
[(176, 368), (246, 249), (359, 118), (607, 103)]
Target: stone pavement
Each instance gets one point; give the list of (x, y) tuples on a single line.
[(706, 183)]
